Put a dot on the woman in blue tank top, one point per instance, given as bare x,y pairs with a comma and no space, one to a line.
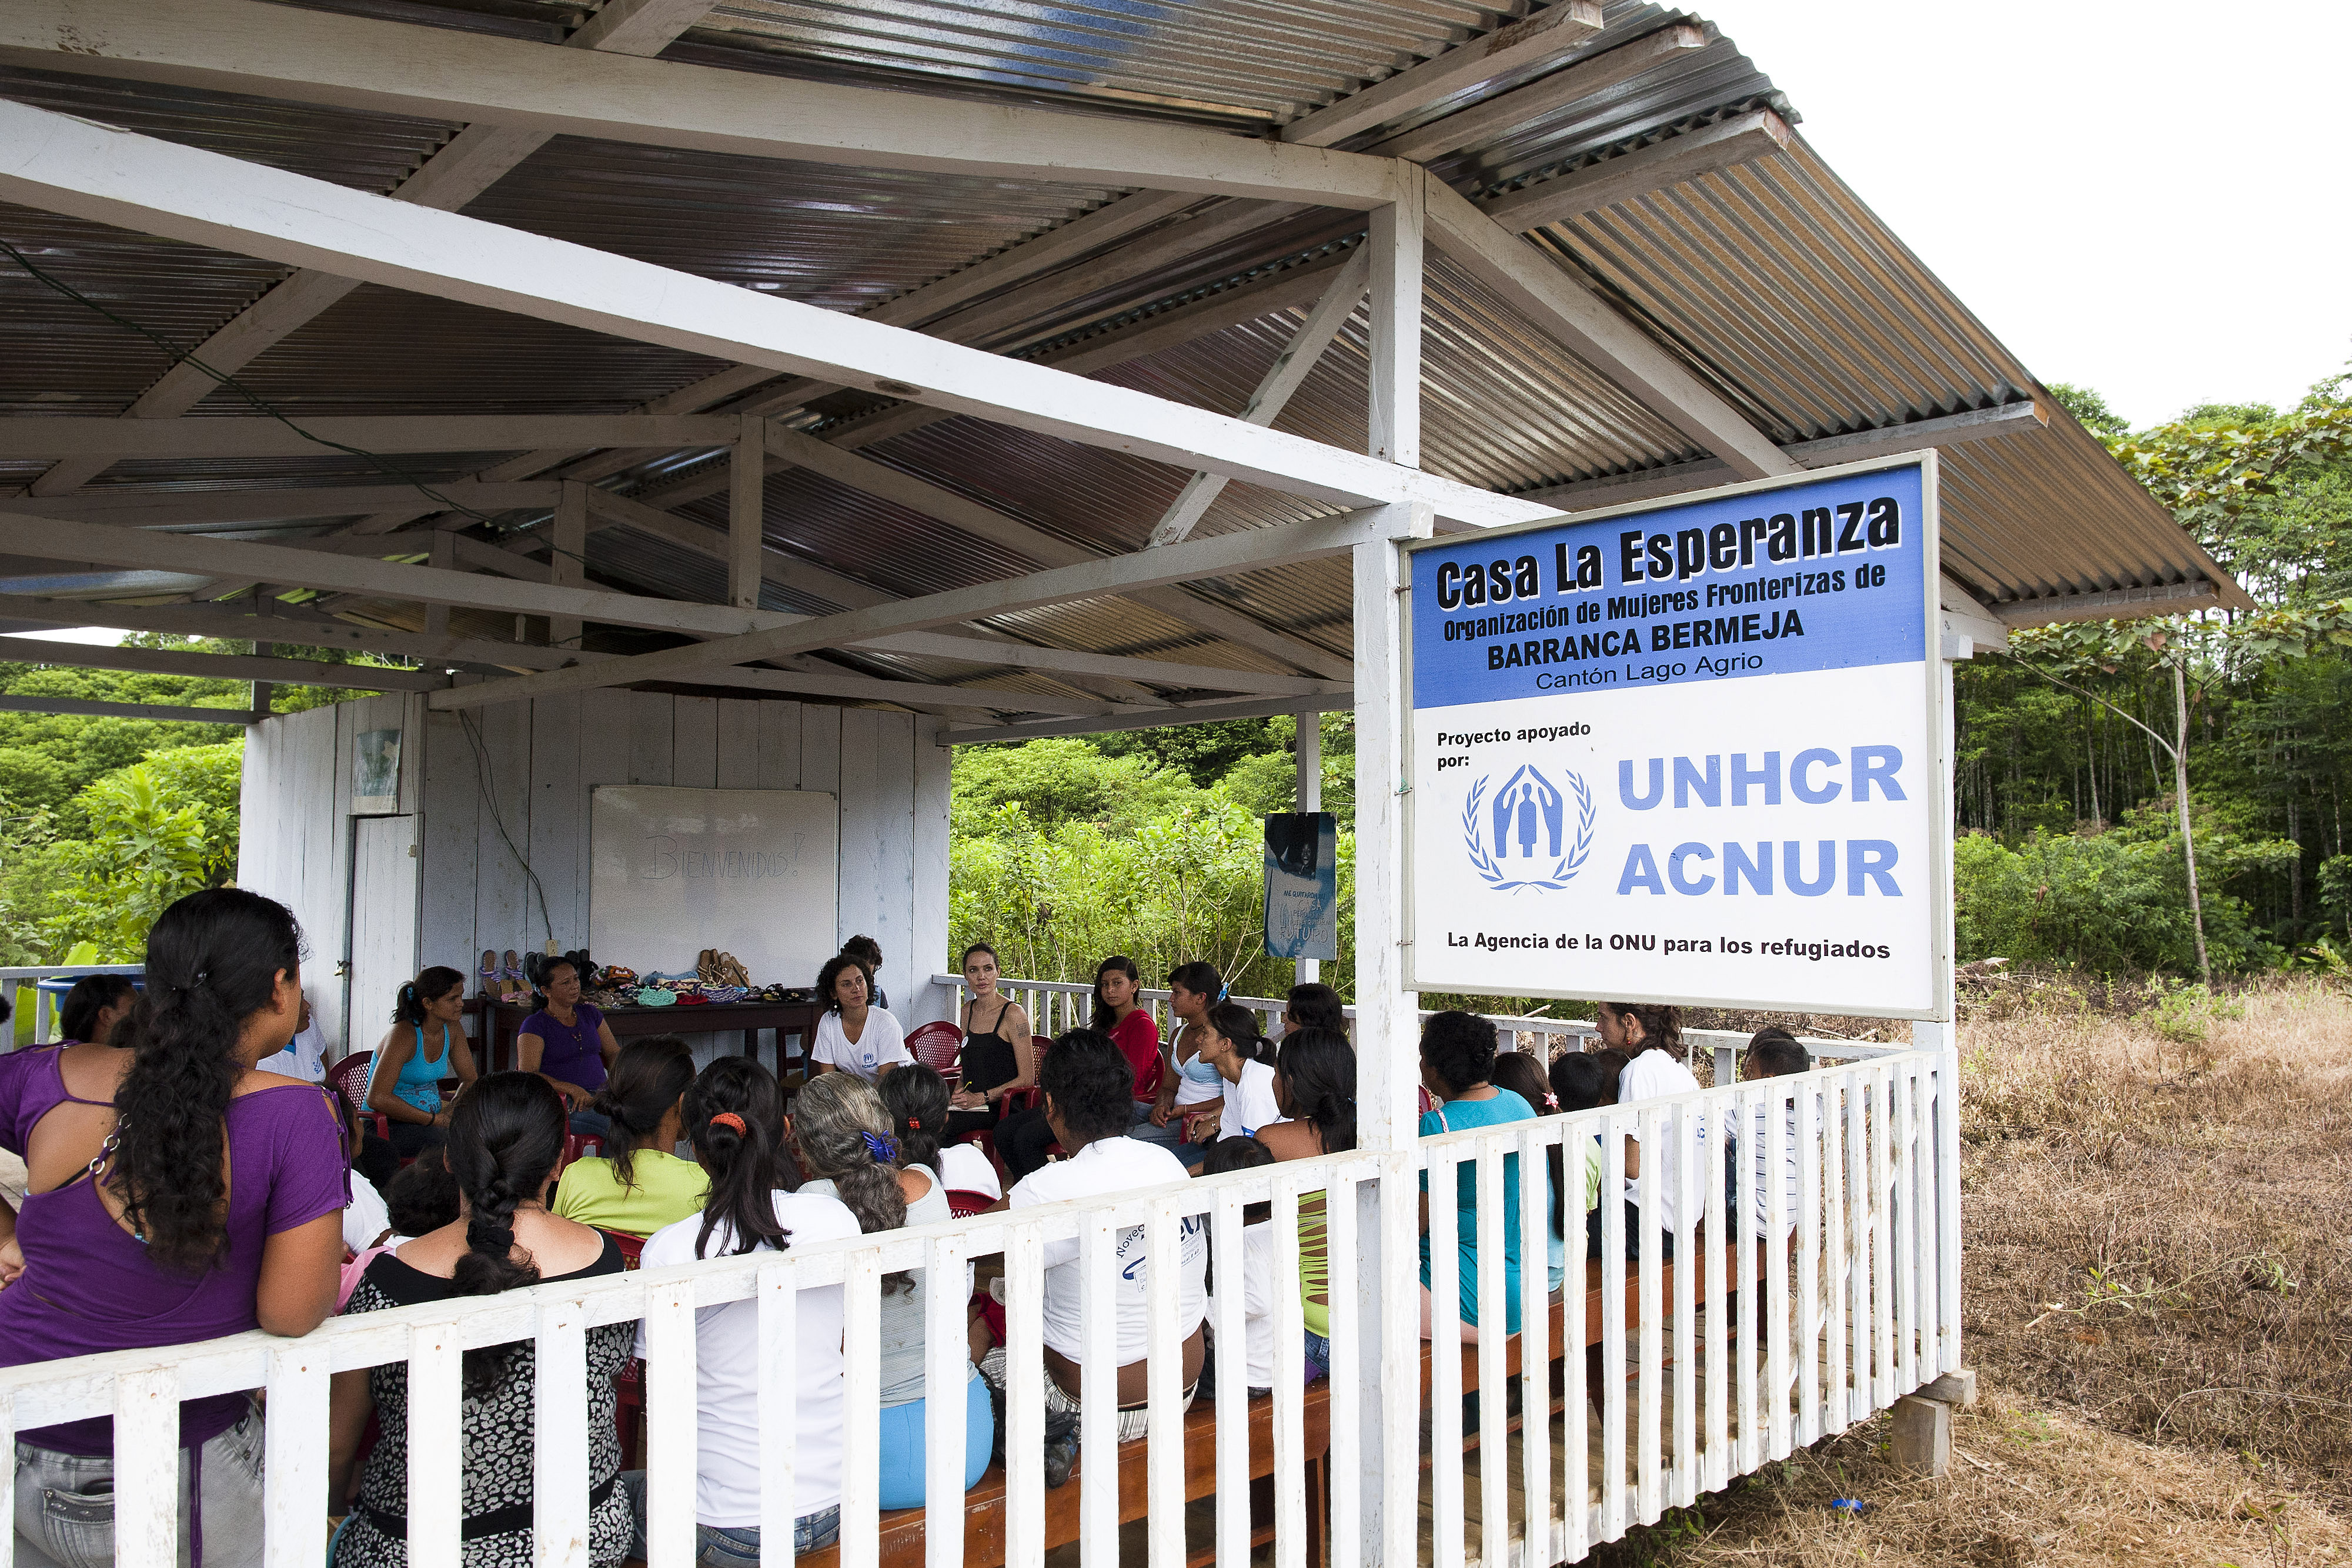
426,1044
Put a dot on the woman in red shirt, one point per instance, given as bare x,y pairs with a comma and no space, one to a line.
1022,1137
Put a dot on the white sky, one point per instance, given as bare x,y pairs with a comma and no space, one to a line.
2145,198
94,636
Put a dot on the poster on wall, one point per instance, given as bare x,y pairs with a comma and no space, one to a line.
1302,885
376,773
1686,753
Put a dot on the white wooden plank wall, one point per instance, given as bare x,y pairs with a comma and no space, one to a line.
546,758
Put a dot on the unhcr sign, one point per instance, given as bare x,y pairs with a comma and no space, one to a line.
1687,752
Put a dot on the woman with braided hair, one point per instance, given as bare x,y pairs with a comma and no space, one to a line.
505,1137
845,1138
175,1195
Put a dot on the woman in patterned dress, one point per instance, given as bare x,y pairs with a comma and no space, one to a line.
505,1137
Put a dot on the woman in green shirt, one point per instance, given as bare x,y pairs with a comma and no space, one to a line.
640,1185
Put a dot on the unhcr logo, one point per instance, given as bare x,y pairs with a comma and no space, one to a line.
1528,832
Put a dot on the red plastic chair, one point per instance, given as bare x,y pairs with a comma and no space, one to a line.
937,1046
963,1203
578,1146
349,1078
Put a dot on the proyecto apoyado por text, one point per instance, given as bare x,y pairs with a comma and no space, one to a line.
1649,942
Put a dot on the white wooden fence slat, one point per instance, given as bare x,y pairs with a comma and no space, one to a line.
1099,1393
1614,1509
146,1469
1809,1261
1446,1451
1290,1502
1774,1127
294,1458
861,1396
1164,1425
1648,1430
672,1437
1690,1153
947,1378
436,1411
779,1374
1494,1220
1534,1220
1230,1345
560,1467
1340,1241
1024,1396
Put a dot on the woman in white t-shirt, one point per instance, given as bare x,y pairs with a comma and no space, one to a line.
842,1136
920,1106
735,1118
854,1036
1226,1038
1649,1035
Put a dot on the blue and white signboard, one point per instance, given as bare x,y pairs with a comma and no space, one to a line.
1688,753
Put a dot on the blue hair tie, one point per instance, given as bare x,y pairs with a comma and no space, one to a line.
884,1151
1223,994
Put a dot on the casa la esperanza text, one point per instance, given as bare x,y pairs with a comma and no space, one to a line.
1685,753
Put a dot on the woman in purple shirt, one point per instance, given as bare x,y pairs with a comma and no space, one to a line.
569,1043
174,1195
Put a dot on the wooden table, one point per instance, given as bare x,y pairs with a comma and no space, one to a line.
497,1023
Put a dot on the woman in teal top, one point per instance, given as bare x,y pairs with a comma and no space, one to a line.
1457,1067
425,1045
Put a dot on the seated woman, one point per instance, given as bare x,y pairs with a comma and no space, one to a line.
1649,1035
1121,1017
1580,1080
841,1134
504,1140
93,1006
1314,1005
917,1099
1087,1084
176,1195
1457,1066
425,1044
735,1118
569,1043
1226,1038
853,1035
1315,1085
1190,1090
639,1185
1523,1075
998,1060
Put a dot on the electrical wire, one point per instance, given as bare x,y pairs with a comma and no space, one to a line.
179,356
490,798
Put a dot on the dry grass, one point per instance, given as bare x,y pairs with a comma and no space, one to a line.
2156,1299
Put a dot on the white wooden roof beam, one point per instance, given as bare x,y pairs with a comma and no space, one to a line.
1524,45
1253,549
256,435
444,73
64,164
82,708
463,168
286,626
163,508
219,666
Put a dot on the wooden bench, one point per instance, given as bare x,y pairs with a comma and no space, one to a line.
985,1506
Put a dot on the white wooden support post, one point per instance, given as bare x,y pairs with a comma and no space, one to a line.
747,500
571,558
444,555
1387,1070
1945,1036
146,1467
1310,753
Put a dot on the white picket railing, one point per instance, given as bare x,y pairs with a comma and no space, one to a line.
1860,1310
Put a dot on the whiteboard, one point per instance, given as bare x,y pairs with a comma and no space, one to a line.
753,872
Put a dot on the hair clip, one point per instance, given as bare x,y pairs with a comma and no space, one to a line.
1551,1102
881,1149
730,1119
914,1123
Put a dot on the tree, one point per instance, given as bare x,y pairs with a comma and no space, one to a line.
146,851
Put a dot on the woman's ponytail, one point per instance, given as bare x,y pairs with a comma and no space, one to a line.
213,960
1238,1024
649,1079
429,987
734,1116
917,1098
505,1138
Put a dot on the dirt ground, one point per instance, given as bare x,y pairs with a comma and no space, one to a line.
2158,1304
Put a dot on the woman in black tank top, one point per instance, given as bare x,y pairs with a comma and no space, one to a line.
996,1060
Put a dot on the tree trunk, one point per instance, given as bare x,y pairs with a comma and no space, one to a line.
2180,796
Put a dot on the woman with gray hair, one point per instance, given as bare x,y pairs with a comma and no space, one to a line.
843,1136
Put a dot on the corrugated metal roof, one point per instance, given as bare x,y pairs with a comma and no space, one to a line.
1770,280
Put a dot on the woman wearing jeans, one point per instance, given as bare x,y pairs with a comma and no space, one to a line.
176,1195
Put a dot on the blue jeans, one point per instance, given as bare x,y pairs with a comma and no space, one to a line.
1318,1356
1139,1128
902,1445
718,1547
590,1125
